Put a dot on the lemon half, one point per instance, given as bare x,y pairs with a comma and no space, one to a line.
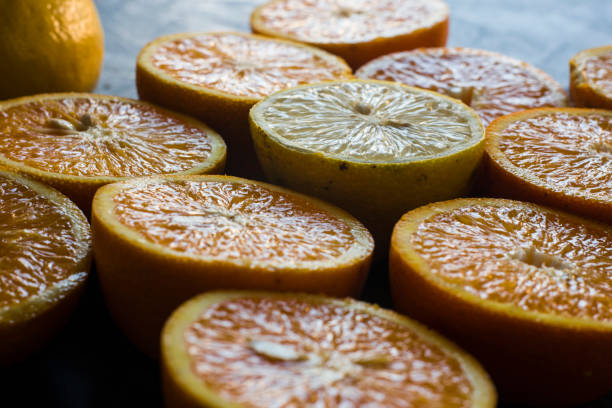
375,148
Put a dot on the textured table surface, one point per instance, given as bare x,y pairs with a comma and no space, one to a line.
90,364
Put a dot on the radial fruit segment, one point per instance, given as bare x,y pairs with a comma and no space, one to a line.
188,235
559,157
533,281
232,221
356,30
78,142
44,262
591,78
262,350
492,84
243,66
217,77
374,148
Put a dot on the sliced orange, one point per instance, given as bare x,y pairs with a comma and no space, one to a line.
358,30
217,77
160,241
79,142
524,288
591,78
45,246
557,157
491,83
257,349
374,148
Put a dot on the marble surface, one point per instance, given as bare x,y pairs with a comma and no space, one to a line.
90,364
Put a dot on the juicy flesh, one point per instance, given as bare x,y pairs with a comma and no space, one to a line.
243,66
534,259
82,136
294,353
38,247
233,221
369,122
350,21
598,70
493,85
567,152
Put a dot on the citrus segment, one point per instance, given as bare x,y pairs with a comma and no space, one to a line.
262,350
44,262
368,122
244,66
159,241
492,84
78,142
358,30
355,143
522,260
558,157
533,282
233,221
217,77
591,78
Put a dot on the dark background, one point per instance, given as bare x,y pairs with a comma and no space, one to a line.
90,364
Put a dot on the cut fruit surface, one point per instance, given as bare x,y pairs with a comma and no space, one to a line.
355,143
532,281
558,157
254,349
358,31
193,234
45,244
78,142
492,84
591,78
217,77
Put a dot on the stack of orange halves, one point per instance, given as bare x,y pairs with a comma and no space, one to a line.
523,287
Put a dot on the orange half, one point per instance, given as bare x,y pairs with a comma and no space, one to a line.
359,30
557,157
45,246
217,77
591,78
525,288
160,241
79,142
490,83
254,349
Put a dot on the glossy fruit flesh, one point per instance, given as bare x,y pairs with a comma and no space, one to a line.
331,21
567,151
243,66
278,352
535,260
38,243
492,84
598,70
85,136
233,221
371,122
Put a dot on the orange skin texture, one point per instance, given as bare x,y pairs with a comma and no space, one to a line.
54,46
